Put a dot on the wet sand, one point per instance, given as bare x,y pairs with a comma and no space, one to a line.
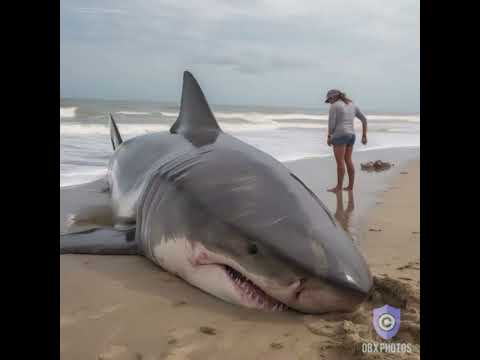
125,307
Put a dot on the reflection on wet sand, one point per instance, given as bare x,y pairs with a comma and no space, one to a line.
344,216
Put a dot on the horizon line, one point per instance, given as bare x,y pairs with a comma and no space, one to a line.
177,103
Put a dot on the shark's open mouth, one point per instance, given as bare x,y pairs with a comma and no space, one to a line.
252,294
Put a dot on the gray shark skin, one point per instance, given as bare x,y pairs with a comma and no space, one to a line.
224,216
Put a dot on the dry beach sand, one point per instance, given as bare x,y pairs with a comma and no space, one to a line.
125,307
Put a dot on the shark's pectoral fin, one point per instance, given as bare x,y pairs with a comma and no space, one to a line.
88,219
103,241
85,207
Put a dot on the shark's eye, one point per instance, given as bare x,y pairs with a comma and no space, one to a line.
252,249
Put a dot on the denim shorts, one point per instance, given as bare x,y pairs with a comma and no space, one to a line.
348,140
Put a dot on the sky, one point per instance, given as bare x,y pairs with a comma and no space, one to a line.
263,52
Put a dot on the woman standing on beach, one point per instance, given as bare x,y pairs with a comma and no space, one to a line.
342,135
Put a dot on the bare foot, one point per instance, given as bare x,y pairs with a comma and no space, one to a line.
348,188
335,189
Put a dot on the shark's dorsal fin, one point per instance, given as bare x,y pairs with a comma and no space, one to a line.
195,114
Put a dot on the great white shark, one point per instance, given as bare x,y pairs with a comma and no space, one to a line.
222,215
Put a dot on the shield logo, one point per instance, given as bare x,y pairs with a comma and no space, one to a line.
386,321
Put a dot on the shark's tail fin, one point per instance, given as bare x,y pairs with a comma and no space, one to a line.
114,134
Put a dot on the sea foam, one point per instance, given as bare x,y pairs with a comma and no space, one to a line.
68,112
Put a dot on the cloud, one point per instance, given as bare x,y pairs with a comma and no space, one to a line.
369,47
99,11
254,61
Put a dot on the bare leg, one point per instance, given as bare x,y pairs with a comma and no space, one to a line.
350,167
339,152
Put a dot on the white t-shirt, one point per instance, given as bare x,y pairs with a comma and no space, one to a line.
341,116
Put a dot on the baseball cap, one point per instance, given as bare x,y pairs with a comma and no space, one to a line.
332,93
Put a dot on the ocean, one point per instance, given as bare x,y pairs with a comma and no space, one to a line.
284,133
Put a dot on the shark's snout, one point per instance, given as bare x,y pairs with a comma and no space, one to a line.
316,296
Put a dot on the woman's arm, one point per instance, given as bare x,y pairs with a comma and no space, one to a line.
332,120
331,124
363,119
